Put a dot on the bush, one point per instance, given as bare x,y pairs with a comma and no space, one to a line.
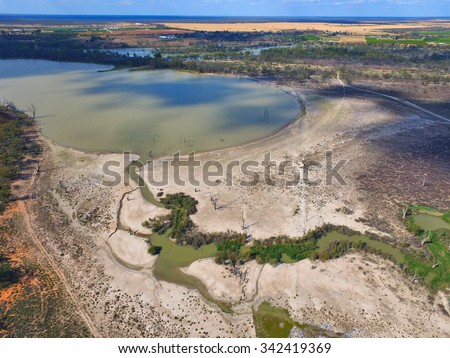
8,275
154,250
273,252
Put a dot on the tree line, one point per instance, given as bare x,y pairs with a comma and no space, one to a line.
13,148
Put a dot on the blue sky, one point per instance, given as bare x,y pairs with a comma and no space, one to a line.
230,7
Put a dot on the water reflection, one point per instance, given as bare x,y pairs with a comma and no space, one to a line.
141,111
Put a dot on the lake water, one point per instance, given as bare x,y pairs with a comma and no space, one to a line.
142,111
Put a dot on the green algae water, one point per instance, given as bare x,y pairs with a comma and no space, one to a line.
326,240
430,222
161,112
174,257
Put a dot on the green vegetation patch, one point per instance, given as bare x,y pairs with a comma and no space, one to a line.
231,251
275,322
294,250
310,37
435,33
423,208
411,42
446,216
374,40
438,40
8,275
390,41
12,149
432,263
179,226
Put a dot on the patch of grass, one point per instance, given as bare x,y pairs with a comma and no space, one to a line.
435,33
411,42
287,259
441,254
374,40
433,262
311,37
437,40
389,41
423,208
273,322
446,217
421,264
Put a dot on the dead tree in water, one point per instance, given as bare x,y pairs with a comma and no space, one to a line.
33,109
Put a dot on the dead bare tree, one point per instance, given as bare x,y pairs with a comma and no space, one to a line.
415,277
266,114
11,107
33,109
214,201
405,212
428,239
243,226
424,182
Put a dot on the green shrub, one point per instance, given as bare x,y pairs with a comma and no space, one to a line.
8,275
154,250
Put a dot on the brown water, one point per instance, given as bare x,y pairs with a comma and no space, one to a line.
142,111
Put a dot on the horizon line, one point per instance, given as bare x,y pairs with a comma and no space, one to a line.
236,16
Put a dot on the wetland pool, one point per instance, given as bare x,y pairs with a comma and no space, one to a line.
430,222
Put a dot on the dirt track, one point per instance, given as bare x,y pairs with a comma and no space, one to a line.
24,190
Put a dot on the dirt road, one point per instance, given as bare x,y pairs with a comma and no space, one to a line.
24,191
397,99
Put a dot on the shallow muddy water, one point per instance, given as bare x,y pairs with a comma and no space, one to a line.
430,222
143,111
